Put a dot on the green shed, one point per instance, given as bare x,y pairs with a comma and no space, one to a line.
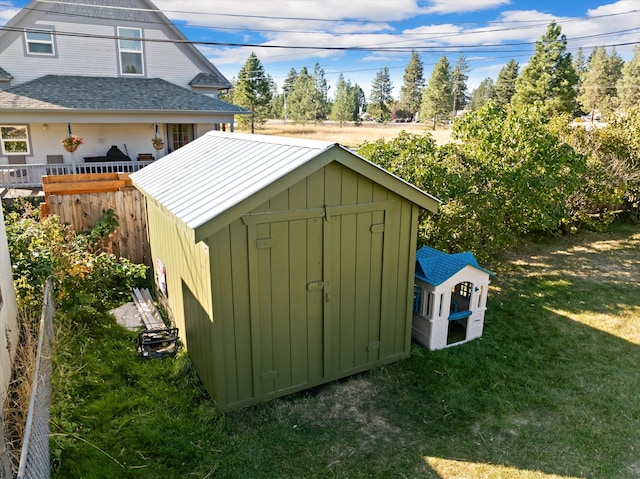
285,263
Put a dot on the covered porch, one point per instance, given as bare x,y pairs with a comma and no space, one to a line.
154,118
33,148
29,176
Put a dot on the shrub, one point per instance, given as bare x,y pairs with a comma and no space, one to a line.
84,281
509,174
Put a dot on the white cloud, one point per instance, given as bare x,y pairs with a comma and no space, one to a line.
461,6
8,14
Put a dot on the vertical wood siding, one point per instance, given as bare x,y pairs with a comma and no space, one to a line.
189,294
272,332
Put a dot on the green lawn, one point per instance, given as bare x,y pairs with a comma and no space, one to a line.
552,390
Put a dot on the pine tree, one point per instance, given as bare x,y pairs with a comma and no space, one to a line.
629,85
616,64
459,78
437,97
344,105
289,81
580,66
413,81
301,101
253,91
361,103
486,91
506,83
287,87
380,98
321,95
593,82
549,78
598,85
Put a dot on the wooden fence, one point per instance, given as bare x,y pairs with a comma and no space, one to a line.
83,210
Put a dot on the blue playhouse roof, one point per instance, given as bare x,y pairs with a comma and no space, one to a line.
435,267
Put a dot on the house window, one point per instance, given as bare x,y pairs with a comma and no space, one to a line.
39,42
14,139
179,135
130,48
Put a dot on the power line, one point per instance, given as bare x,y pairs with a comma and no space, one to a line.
312,19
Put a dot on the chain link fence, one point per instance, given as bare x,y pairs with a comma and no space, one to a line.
5,460
34,459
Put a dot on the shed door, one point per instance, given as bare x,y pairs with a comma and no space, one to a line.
316,286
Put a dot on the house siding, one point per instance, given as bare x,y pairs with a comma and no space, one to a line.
96,56
89,56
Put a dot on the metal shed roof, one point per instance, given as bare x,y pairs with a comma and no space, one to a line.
435,267
221,176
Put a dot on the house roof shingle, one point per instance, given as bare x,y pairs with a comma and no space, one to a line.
109,94
5,75
124,11
208,80
435,267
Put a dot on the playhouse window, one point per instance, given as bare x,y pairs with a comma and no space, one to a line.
463,290
417,299
480,296
427,298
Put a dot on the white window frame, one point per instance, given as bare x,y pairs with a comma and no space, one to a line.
125,32
34,41
4,140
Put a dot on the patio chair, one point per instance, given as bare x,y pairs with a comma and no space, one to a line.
18,160
55,160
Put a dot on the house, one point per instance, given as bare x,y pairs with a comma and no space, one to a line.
285,263
113,72
450,298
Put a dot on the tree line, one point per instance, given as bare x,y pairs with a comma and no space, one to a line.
601,84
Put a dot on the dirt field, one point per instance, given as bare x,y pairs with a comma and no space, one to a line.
349,135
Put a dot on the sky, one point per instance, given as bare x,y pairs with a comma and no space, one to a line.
360,37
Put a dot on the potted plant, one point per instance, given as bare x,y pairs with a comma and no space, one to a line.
157,142
71,142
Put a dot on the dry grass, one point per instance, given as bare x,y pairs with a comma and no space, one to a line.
17,402
350,135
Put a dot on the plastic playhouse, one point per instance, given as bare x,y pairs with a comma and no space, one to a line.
450,298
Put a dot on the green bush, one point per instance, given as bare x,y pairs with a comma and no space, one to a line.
509,173
84,281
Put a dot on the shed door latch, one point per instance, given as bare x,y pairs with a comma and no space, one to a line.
317,285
